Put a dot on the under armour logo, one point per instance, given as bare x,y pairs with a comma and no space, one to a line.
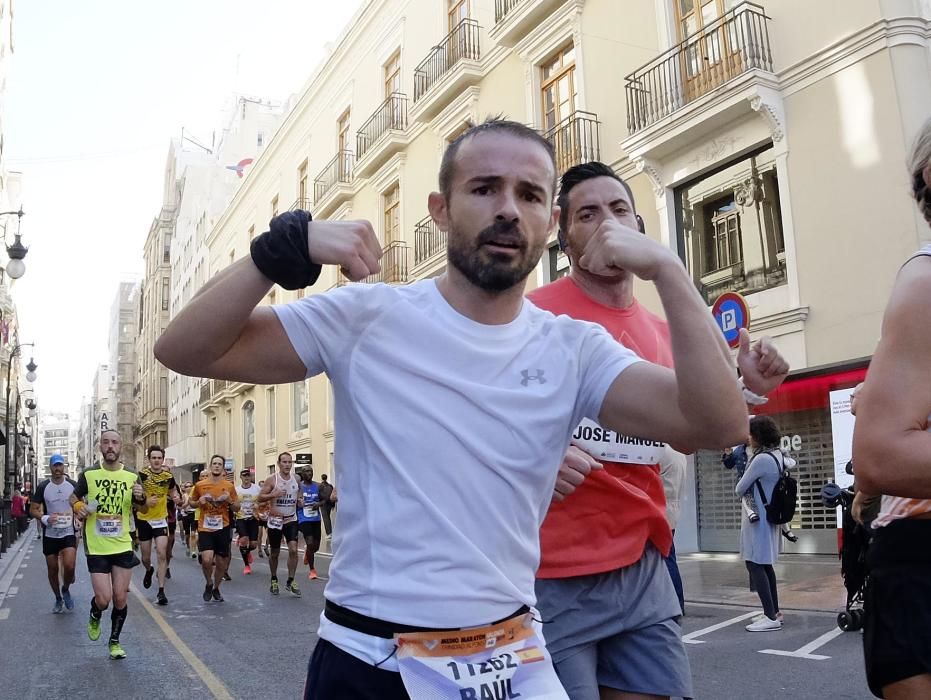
527,377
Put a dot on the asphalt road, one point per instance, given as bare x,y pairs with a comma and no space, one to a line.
255,645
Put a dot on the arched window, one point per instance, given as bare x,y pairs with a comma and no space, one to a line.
248,434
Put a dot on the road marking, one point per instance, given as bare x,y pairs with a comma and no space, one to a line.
805,651
4,613
214,684
690,638
18,576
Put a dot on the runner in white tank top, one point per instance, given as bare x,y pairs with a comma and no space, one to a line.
283,491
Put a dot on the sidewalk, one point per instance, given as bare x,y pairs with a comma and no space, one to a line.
805,581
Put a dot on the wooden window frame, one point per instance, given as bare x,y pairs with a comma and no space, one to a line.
553,80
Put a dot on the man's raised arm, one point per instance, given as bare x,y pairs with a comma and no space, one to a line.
222,333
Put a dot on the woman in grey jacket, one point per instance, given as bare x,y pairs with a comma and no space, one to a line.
759,540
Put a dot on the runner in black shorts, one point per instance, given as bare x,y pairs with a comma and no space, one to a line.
51,506
308,518
282,491
247,526
215,496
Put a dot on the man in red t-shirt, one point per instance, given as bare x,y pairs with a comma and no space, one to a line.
602,587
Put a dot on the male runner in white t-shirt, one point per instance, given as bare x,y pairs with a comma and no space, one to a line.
446,387
50,505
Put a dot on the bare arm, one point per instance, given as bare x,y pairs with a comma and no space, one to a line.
697,405
891,448
222,333
36,510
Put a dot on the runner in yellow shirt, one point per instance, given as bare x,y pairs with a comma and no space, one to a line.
159,485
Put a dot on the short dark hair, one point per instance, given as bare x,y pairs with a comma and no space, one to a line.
154,448
283,454
576,175
765,432
213,457
491,125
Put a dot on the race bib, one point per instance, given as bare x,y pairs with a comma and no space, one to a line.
213,522
608,445
311,511
109,526
507,660
61,521
155,524
275,522
246,509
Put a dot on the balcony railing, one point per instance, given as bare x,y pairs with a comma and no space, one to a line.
733,44
390,116
303,203
337,171
428,240
394,265
576,139
205,391
502,7
462,43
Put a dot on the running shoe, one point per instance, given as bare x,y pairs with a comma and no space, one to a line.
764,625
167,573
227,577
161,598
312,575
217,596
208,593
194,554
247,570
267,550
59,606
147,579
293,589
93,628
274,587
116,651
69,601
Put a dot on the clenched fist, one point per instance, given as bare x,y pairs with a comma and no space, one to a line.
575,467
352,245
614,248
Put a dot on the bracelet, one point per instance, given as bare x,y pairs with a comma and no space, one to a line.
282,253
751,398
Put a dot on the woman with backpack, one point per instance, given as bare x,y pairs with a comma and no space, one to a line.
759,538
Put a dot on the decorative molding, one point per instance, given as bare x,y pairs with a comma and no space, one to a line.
389,173
771,115
462,109
748,191
783,319
652,171
342,213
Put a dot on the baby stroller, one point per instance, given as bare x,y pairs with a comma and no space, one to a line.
855,539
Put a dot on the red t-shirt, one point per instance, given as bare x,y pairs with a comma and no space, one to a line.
606,523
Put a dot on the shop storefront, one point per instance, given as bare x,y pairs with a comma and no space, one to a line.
801,408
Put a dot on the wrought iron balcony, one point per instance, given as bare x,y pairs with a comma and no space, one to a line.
731,45
394,265
302,203
576,139
503,7
462,43
337,172
429,240
390,116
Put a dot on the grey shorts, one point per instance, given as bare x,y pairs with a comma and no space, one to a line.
616,630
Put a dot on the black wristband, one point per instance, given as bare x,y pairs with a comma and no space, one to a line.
282,253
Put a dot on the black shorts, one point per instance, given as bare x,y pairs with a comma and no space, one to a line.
189,522
897,605
146,533
310,528
248,527
53,545
216,541
289,531
334,673
104,563
172,527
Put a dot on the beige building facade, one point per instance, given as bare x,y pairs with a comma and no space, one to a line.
765,143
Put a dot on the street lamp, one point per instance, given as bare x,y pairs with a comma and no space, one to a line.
30,376
15,268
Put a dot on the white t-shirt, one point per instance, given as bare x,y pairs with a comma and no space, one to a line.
449,436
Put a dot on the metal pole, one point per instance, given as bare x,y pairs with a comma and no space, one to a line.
8,488
16,440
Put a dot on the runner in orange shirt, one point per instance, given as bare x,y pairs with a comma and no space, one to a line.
214,496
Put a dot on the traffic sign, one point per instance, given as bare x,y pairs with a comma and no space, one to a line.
731,313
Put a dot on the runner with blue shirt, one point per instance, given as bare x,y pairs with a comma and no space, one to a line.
308,518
